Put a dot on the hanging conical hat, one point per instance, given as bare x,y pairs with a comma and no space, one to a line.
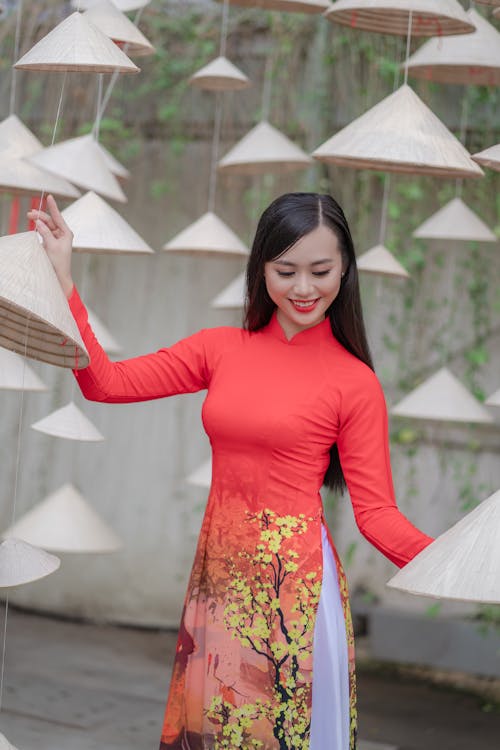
220,75
202,476
65,522
105,16
380,260
233,295
430,18
20,177
291,6
463,563
113,164
455,221
466,58
442,397
124,5
208,234
264,149
399,134
69,423
76,45
490,157
494,399
80,160
103,335
35,318
16,139
16,375
22,563
98,228
5,744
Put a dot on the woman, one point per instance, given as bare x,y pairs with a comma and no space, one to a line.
265,654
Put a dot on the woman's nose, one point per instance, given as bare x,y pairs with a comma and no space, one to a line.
303,285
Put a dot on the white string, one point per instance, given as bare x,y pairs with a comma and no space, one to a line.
224,25
99,111
408,42
58,115
4,649
267,88
16,55
212,188
463,128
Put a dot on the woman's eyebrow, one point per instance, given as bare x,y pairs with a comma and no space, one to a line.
314,263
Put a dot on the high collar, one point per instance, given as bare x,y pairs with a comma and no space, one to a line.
321,332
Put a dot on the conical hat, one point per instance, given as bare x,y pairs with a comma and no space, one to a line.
442,397
233,295
466,58
76,45
16,139
5,744
103,335
202,476
494,399
80,160
16,374
264,149
291,6
455,221
98,228
208,234
399,134
65,522
220,75
69,423
380,260
463,563
105,16
124,5
490,157
22,563
430,18
113,164
35,318
20,177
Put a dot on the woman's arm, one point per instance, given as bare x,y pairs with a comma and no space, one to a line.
363,445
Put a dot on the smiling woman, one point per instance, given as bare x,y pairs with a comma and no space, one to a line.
265,653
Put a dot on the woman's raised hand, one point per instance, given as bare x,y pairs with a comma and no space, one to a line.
57,240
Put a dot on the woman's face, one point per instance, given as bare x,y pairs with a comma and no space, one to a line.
304,281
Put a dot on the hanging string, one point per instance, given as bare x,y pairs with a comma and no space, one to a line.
224,28
16,56
408,43
267,87
464,116
54,132
212,184
99,111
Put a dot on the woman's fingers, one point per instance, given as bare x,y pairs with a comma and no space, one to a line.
35,214
56,215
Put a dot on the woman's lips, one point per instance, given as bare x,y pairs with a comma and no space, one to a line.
304,306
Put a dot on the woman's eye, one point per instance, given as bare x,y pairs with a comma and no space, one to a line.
320,273
285,273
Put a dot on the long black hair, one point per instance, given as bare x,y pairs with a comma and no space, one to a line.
283,223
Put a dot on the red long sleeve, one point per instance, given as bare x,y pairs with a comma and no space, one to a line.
363,445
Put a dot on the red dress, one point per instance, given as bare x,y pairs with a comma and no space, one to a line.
242,675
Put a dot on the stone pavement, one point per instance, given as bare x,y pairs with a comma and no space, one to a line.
72,686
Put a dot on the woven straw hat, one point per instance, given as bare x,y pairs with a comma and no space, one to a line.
113,164
220,75
494,399
76,45
463,563
202,476
208,234
291,6
443,398
22,563
80,159
5,744
264,149
467,58
17,375
124,5
233,296
35,318
103,335
399,134
455,221
107,18
98,228
69,423
490,157
65,522
16,139
380,260
430,18
20,177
